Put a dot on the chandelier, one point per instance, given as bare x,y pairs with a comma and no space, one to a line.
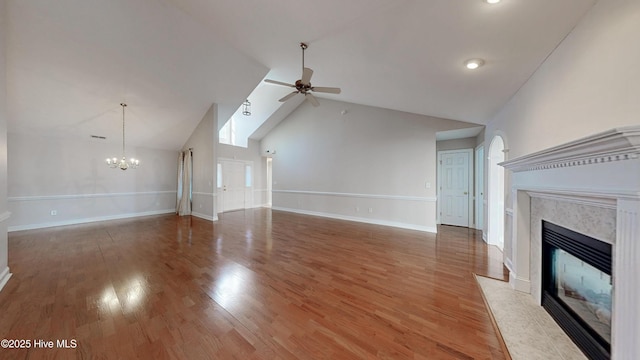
246,108
123,164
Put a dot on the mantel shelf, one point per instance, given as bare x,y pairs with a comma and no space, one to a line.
613,145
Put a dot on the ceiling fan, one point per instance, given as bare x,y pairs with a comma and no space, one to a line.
303,86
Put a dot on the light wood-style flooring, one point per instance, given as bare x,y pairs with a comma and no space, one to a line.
257,284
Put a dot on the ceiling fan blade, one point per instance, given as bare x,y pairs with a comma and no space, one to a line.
289,96
312,99
278,83
306,75
330,90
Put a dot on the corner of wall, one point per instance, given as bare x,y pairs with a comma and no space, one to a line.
4,212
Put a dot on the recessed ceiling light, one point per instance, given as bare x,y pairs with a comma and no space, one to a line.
492,1
473,64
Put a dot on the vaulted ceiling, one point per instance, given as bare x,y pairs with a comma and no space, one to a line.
70,63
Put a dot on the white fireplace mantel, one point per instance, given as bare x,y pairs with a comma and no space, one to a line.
602,170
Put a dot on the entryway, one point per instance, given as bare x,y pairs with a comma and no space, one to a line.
496,193
234,185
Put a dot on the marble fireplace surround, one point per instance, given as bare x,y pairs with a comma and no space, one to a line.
591,185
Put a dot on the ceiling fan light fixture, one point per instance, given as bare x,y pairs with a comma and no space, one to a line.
473,64
303,85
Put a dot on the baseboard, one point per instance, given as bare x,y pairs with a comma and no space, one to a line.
88,220
429,229
508,264
519,284
4,277
484,237
205,217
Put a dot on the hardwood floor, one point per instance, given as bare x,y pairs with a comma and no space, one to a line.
257,284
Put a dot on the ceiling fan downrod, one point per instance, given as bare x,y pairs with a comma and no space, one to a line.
304,47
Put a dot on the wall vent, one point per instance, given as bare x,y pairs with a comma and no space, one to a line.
98,137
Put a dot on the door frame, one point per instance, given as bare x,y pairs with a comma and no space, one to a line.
479,198
470,176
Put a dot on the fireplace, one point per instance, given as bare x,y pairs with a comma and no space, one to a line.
577,287
592,186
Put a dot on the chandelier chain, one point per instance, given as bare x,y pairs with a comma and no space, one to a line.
123,106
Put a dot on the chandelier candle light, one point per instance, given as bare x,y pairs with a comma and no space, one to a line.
123,164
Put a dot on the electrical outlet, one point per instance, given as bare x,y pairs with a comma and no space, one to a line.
357,209
427,185
54,212
370,210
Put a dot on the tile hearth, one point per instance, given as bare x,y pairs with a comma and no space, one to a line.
527,329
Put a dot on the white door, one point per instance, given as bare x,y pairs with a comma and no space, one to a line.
233,185
454,188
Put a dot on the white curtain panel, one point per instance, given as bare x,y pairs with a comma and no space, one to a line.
184,184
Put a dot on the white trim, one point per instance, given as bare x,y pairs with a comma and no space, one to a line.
508,264
85,196
236,160
203,216
522,285
5,216
89,220
613,145
428,229
4,277
479,177
202,193
368,196
625,280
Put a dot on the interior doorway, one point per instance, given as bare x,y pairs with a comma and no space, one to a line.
455,169
496,193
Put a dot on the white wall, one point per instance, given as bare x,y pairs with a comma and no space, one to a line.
370,164
71,177
250,153
203,143
4,212
456,144
589,84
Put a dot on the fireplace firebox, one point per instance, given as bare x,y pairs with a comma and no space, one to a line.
577,287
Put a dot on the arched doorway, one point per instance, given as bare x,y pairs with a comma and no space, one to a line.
495,225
